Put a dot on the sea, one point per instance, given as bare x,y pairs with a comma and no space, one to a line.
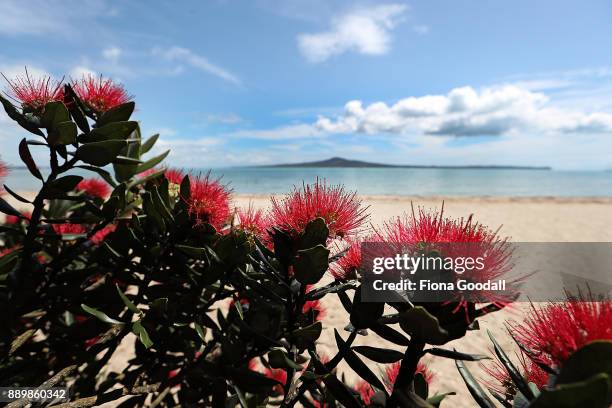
396,181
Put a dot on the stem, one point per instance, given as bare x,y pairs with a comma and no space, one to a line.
405,377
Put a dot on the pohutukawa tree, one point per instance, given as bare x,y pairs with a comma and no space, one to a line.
225,307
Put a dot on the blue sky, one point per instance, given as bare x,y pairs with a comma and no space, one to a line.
265,81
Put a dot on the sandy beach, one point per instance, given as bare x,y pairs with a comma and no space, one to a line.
523,219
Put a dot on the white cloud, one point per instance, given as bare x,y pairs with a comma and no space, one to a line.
366,31
112,53
465,111
80,71
224,118
186,56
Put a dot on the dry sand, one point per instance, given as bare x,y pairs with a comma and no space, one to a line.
523,219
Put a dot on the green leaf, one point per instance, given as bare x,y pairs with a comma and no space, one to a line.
26,157
365,314
201,331
112,131
100,315
341,392
437,399
127,161
455,355
592,393
55,113
64,133
419,323
593,358
130,305
306,336
142,334
6,208
8,261
197,253
16,196
357,365
278,358
149,164
311,264
119,113
61,186
315,233
475,389
100,153
384,356
250,381
18,117
101,172
149,143
513,372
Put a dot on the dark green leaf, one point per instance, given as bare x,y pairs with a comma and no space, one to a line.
112,131
6,208
418,322
63,133
315,233
101,172
18,117
61,186
26,157
119,113
475,389
148,144
142,334
384,356
100,315
311,264
55,113
592,393
341,392
357,365
278,358
421,388
127,302
100,153
513,372
16,196
591,359
307,335
436,400
149,164
455,355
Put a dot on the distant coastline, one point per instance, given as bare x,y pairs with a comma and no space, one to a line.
340,162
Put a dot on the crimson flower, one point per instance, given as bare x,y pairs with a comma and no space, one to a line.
208,201
392,371
557,330
174,176
499,380
346,268
34,93
365,390
457,238
278,375
99,236
3,170
316,307
100,94
252,220
94,187
66,229
13,219
341,210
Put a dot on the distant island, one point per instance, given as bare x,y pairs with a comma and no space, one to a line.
342,162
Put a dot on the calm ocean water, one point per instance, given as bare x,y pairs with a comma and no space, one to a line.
398,181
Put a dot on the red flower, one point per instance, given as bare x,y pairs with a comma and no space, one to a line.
208,201
365,390
457,238
94,188
392,371
63,229
278,375
99,236
252,220
174,176
91,342
341,210
557,330
100,94
501,382
34,93
346,267
316,307
13,219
